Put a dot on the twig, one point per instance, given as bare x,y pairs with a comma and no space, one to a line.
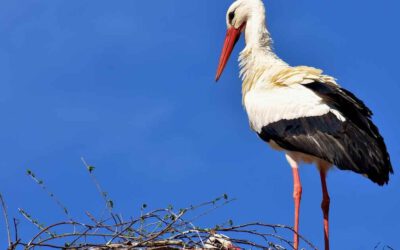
49,193
3,205
166,228
16,229
33,221
47,229
109,203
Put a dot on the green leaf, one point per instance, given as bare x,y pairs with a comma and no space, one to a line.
30,173
91,169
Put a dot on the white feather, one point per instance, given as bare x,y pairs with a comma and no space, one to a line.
265,106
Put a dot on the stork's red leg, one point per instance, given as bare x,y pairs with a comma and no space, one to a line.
325,207
297,190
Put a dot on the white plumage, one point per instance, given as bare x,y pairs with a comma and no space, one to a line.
268,105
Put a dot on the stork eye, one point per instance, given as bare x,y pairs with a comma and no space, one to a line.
231,15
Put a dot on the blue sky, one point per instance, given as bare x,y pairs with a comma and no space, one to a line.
129,85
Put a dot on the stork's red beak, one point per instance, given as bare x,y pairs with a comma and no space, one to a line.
232,36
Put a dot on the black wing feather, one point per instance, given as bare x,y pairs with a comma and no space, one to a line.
354,144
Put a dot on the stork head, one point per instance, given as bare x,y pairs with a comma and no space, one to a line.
237,17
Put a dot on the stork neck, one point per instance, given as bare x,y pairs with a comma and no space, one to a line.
258,62
256,33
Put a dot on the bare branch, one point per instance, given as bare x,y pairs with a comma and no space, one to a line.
3,205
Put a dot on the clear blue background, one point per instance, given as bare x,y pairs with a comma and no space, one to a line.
129,85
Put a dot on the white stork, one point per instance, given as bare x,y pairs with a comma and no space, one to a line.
301,111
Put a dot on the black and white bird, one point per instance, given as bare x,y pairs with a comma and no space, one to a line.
301,111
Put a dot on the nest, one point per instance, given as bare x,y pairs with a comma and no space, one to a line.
166,228
159,229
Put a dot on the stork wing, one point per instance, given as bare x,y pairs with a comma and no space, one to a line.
353,143
346,103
